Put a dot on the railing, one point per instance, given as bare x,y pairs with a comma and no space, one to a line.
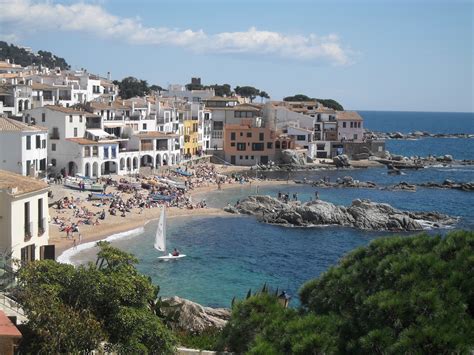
54,136
7,302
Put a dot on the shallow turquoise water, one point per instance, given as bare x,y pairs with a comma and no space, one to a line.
229,255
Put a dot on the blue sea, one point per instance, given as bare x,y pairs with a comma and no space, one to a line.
229,255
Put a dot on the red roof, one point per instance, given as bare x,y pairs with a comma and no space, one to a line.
7,328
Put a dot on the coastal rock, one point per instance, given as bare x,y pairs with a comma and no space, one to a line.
361,214
397,135
292,157
192,317
449,184
341,161
403,186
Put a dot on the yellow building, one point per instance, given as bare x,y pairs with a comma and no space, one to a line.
191,141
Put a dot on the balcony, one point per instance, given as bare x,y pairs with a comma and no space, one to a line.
54,136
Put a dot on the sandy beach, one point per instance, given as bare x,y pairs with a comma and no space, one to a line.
116,224
139,217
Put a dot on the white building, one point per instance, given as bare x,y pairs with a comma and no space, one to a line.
350,126
24,217
23,148
304,138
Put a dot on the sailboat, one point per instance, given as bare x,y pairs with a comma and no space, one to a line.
160,238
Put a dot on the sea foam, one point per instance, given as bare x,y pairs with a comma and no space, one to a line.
66,255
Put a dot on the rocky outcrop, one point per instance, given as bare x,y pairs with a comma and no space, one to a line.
402,186
449,184
292,157
346,181
361,214
415,135
341,161
191,317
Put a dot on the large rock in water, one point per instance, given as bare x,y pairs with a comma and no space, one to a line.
361,214
192,317
292,157
341,161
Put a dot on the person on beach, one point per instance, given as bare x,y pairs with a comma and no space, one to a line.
316,195
74,245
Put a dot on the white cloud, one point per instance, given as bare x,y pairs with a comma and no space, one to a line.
27,15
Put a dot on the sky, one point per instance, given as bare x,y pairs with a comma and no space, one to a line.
368,55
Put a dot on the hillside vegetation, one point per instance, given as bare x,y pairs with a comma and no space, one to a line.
21,56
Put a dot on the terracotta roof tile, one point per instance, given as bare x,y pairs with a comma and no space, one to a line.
23,184
10,125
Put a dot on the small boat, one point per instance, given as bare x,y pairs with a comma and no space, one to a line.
172,183
73,183
100,196
183,172
160,239
160,197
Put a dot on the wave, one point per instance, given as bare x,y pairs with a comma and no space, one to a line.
66,255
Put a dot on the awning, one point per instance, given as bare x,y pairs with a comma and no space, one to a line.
96,132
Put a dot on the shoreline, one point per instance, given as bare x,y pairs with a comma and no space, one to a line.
65,247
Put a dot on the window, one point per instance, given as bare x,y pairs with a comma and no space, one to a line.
277,145
38,142
269,145
320,146
301,137
218,126
355,136
261,136
53,147
252,157
43,143
246,157
28,142
249,134
53,162
232,144
75,131
95,151
114,152
241,146
358,124
344,124
87,151
43,117
241,134
27,219
80,118
70,118
144,126
258,146
232,136
106,152
352,124
241,157
40,217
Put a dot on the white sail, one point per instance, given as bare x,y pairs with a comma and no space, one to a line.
160,238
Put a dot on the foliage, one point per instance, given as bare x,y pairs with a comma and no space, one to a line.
298,97
23,57
397,295
132,87
73,309
247,91
330,103
413,294
219,90
207,340
157,88
249,318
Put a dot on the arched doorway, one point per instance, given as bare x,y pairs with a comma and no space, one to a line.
135,163
20,105
122,163
108,167
71,168
129,164
147,160
95,169
165,159
87,169
177,158
27,104
172,159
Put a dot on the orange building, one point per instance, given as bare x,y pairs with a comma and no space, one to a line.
9,335
248,143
